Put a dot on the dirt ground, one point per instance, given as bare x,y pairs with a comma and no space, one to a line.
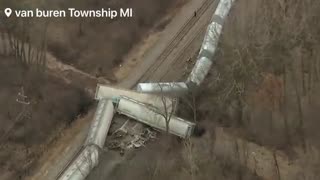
28,124
105,43
101,41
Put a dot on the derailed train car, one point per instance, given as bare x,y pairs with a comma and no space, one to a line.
109,92
151,116
100,124
209,45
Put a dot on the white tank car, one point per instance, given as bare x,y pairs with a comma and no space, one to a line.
153,117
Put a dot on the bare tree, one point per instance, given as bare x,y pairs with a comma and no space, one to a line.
300,110
237,149
169,105
191,159
190,100
153,169
284,108
274,154
18,39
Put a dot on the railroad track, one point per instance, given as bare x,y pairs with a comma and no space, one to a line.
186,52
77,152
177,38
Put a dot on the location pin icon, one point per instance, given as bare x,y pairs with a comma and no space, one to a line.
8,12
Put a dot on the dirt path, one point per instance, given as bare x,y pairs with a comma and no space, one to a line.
63,71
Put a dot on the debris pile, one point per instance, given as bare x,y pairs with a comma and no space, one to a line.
130,137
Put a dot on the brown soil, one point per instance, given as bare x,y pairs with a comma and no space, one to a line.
26,128
103,42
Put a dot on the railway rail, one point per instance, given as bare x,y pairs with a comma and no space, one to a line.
177,38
